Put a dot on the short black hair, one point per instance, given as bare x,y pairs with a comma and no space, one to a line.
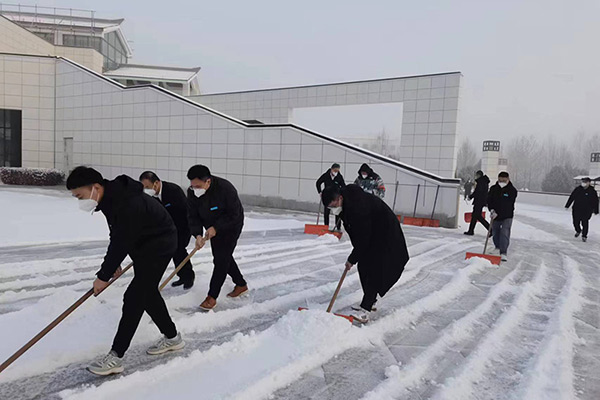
149,175
479,172
83,176
586,179
503,174
199,172
330,194
335,165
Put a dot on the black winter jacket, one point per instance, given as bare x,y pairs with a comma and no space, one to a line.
328,181
220,207
584,200
139,225
480,194
502,200
174,200
378,243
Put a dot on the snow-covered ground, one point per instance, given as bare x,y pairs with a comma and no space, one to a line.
450,329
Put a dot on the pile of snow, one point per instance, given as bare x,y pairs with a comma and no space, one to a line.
50,216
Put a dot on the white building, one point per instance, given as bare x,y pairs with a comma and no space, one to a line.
58,110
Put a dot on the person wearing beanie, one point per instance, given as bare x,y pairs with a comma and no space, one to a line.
370,182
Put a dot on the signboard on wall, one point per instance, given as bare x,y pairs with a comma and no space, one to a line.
491,145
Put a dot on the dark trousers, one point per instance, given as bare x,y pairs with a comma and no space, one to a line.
581,224
501,234
222,249
143,295
369,286
477,209
186,273
338,221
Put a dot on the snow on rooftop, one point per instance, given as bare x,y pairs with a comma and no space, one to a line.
149,72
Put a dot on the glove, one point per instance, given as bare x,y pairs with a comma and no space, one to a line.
493,214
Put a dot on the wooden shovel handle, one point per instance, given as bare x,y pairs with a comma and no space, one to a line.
58,320
337,290
185,261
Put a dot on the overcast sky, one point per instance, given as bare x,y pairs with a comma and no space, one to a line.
529,66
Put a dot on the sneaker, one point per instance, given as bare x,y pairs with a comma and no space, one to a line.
238,291
208,304
495,251
468,233
503,257
164,345
358,307
577,234
107,365
584,238
361,315
187,284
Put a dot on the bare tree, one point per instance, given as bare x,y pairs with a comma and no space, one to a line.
466,160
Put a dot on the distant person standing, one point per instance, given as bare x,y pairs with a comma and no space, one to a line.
585,203
501,203
331,178
370,182
214,205
468,188
172,197
479,197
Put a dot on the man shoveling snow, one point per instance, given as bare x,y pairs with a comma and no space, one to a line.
378,243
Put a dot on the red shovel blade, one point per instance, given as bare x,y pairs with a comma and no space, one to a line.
312,229
490,257
348,317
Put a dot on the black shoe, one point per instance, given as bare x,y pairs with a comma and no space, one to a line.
468,233
584,238
577,234
187,284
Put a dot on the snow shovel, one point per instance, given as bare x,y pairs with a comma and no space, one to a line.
58,320
335,294
490,257
316,229
469,216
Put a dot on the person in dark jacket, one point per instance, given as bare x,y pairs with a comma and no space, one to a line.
585,203
370,182
141,228
378,243
214,205
172,197
501,203
479,197
331,177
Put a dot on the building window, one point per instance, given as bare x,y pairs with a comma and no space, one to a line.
10,138
49,37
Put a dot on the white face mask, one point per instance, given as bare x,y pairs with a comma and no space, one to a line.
199,192
365,176
502,184
150,192
334,174
584,184
335,210
88,205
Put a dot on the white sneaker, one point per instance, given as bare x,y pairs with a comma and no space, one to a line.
504,257
358,307
361,315
164,345
107,365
